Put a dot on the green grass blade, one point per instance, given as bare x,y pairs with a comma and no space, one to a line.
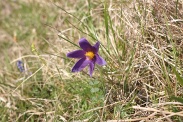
106,23
68,41
179,78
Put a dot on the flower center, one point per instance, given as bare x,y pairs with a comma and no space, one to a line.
90,54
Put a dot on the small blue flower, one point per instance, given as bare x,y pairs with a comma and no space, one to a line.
20,66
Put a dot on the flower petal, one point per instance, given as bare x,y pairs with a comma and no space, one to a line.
100,60
82,63
91,68
76,54
85,45
96,47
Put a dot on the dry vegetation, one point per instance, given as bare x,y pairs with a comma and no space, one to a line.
142,43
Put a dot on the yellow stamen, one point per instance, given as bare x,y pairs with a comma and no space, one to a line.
90,55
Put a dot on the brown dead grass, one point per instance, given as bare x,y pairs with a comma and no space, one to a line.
151,30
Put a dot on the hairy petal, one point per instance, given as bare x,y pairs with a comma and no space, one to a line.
82,63
76,54
91,68
96,47
85,45
100,60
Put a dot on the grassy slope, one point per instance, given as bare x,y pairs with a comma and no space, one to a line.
141,42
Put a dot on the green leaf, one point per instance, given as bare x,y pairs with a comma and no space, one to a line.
179,78
93,90
178,99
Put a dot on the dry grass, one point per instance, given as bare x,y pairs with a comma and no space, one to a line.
142,44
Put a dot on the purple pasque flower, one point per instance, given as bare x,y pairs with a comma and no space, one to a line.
88,56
